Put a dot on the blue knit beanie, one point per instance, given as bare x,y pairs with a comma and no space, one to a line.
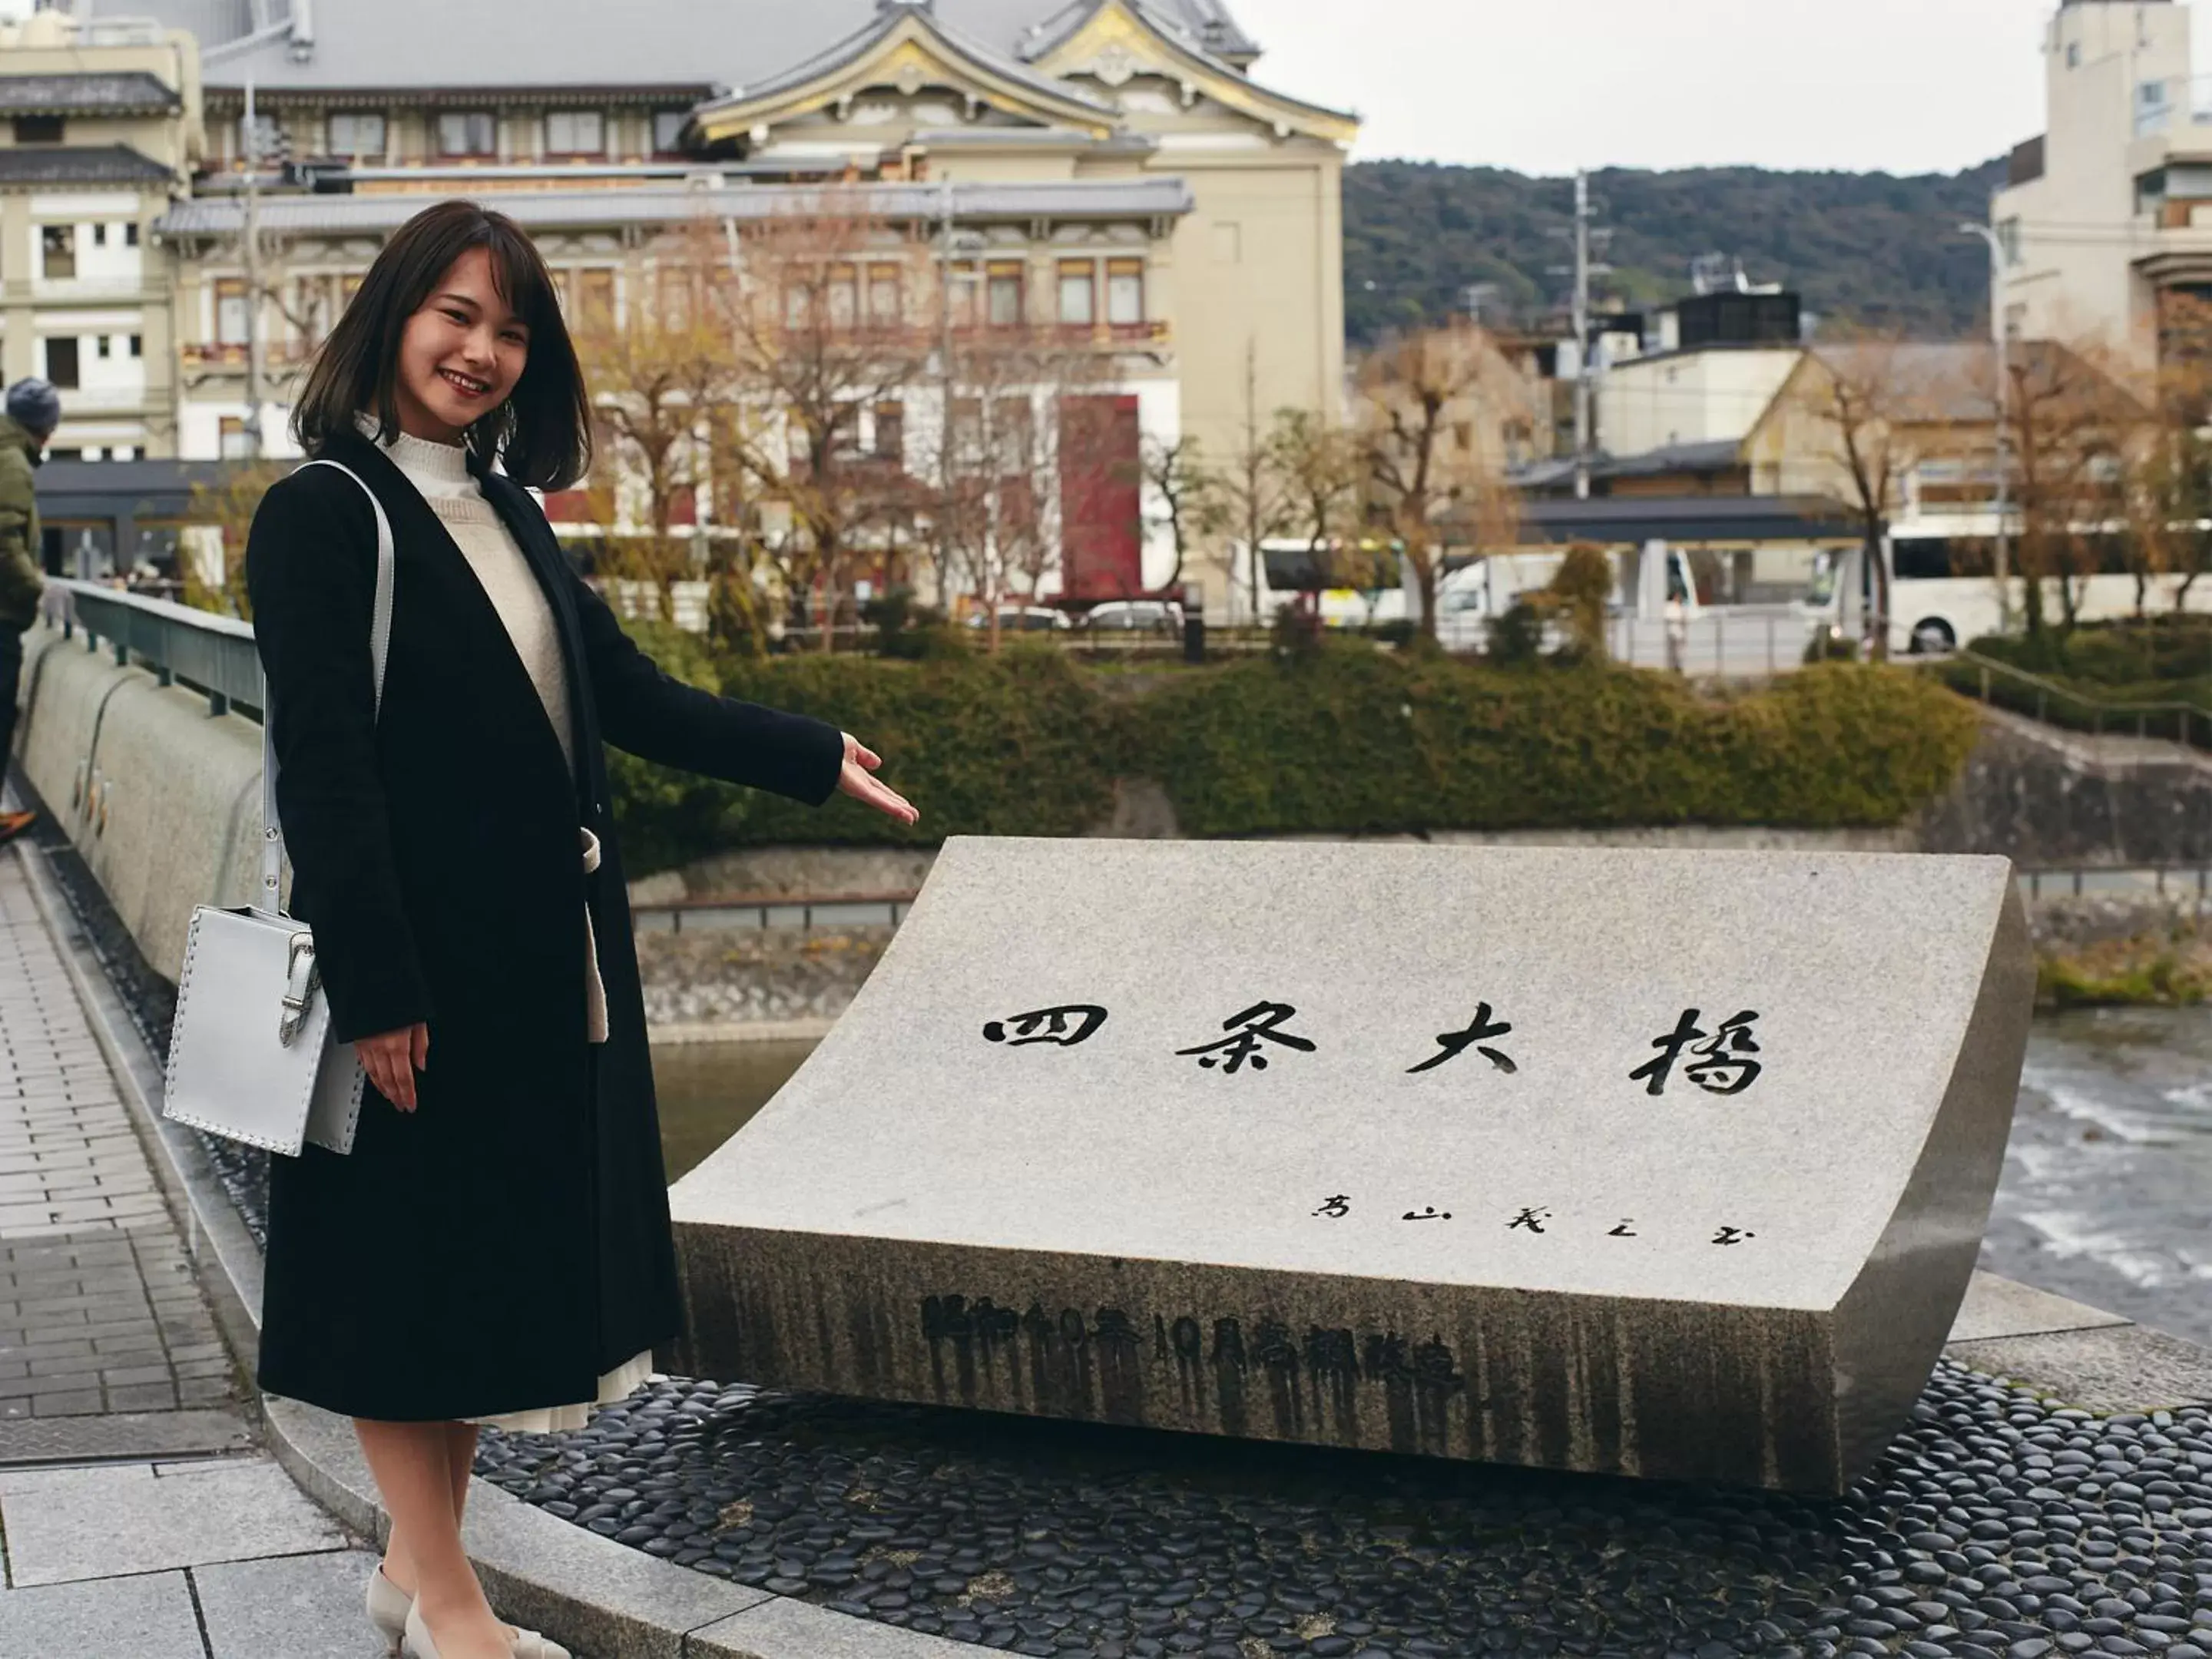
33,404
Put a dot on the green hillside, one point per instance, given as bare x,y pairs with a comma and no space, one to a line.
1864,247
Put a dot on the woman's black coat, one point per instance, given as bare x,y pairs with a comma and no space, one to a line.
502,1246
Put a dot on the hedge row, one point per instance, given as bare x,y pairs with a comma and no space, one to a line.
1337,741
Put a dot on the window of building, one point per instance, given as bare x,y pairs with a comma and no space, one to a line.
38,128
356,133
679,288
102,344
57,250
137,346
263,140
130,234
57,454
1125,292
468,132
1079,293
890,431
124,453
595,293
844,294
797,303
99,233
229,311
62,362
231,439
1003,293
961,284
575,132
2073,54
886,296
668,131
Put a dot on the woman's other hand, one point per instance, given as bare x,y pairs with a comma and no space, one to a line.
392,1058
859,781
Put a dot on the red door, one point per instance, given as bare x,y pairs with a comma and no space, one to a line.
1101,528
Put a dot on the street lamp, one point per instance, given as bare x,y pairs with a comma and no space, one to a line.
1997,263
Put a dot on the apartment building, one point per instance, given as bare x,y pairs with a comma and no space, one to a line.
2106,219
99,128
1109,169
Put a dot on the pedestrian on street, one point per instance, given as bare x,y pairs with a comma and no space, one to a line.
34,409
496,1247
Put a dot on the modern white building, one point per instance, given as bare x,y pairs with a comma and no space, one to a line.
2106,215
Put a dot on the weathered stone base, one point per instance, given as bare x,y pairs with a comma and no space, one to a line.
1589,1384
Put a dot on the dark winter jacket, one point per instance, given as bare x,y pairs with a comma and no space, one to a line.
507,1242
21,582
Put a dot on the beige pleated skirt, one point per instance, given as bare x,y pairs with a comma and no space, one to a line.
627,1378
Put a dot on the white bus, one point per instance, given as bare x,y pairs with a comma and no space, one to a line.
1944,592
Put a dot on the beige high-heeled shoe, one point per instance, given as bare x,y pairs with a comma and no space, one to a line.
415,1643
388,1606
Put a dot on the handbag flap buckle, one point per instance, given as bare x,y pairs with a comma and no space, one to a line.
300,982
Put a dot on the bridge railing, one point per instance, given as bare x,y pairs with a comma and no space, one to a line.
213,655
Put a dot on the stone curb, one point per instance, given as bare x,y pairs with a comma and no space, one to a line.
638,1607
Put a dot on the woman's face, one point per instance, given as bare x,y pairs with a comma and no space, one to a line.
461,354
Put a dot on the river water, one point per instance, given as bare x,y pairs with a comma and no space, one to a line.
2107,1187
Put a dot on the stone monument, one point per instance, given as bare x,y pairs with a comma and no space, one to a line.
1668,1164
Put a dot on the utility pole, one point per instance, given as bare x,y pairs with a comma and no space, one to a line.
1583,271
1997,263
253,368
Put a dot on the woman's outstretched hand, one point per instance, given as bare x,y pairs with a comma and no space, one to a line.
392,1058
858,780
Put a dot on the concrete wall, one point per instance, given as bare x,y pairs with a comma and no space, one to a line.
2048,798
162,799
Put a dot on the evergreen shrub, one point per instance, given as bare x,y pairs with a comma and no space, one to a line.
1334,739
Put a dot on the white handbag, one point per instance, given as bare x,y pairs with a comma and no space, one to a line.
250,1055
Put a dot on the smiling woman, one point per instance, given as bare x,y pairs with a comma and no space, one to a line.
496,1247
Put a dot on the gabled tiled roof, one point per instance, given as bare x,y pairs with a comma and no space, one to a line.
888,18
78,164
381,44
136,93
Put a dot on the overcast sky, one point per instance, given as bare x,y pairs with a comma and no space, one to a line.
1547,86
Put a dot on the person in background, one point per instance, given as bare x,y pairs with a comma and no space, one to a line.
34,409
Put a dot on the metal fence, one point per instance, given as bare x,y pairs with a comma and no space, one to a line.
213,655
2003,686
715,913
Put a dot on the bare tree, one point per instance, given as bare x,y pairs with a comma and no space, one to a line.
2071,427
1009,449
658,373
1191,509
1256,505
1869,402
822,316
1435,409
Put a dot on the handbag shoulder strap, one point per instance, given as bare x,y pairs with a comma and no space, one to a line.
379,651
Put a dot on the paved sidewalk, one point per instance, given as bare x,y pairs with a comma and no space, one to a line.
137,1519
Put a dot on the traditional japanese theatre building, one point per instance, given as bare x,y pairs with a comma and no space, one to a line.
1111,167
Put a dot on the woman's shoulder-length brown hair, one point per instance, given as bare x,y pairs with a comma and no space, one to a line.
541,435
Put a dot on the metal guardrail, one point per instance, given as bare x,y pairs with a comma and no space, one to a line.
718,912
213,655
2101,714
2078,881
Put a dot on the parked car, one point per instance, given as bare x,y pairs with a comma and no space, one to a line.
1024,619
1134,616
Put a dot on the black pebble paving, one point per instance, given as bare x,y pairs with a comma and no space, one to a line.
1995,1525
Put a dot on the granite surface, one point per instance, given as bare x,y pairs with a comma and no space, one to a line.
1657,1164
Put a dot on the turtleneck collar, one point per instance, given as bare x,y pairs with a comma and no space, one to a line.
442,464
